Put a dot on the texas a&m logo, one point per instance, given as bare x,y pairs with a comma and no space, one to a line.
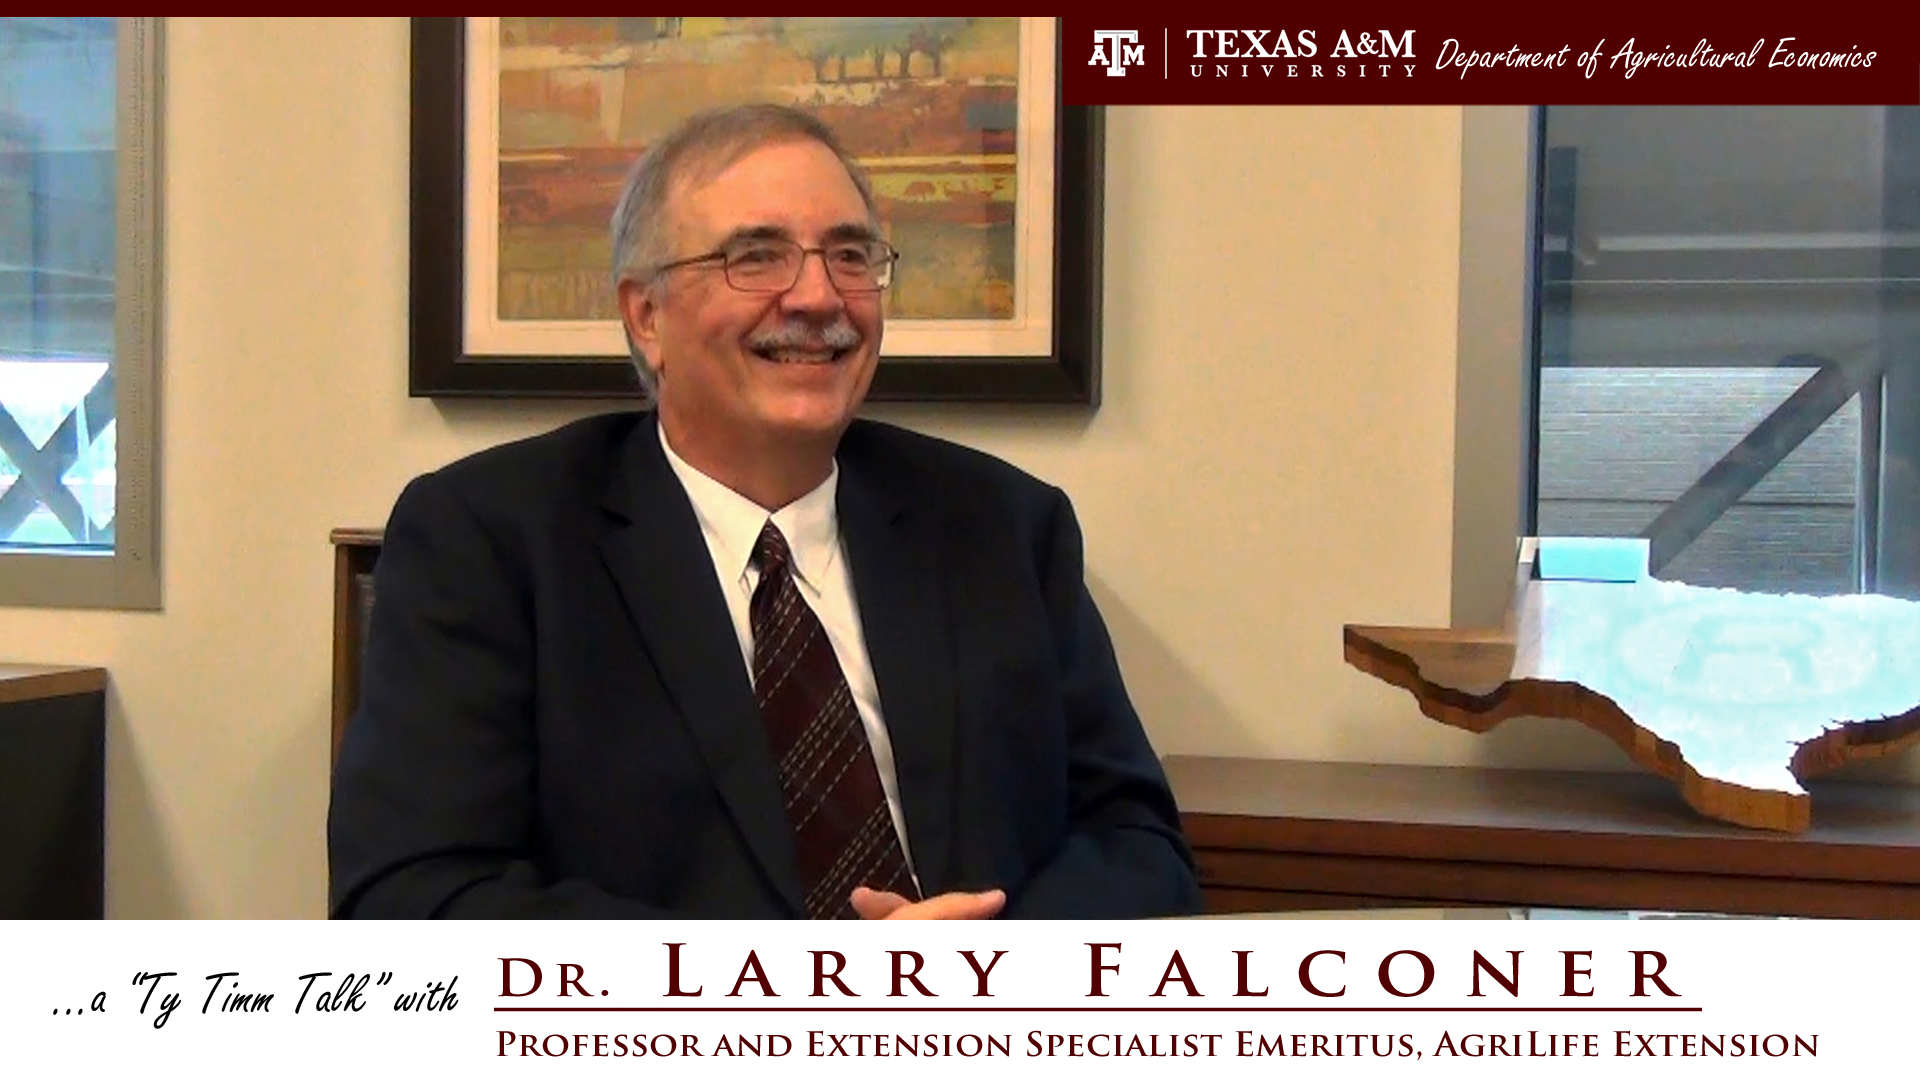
1116,49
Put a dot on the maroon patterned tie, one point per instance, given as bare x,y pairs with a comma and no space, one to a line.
842,831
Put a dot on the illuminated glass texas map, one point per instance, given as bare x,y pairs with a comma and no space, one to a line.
1737,697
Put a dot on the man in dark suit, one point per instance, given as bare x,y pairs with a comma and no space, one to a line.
743,655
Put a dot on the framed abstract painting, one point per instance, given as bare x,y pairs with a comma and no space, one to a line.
524,130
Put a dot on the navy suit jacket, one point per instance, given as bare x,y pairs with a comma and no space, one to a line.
555,721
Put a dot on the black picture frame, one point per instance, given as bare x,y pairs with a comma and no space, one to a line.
440,367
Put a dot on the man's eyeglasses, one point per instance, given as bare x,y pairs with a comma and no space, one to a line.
772,264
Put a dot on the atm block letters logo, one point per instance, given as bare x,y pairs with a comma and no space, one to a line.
1115,49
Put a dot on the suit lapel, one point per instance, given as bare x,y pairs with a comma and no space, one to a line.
903,615
654,549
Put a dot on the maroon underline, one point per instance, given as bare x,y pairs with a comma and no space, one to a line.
1099,1009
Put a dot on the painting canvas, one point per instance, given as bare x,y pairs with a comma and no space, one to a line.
955,119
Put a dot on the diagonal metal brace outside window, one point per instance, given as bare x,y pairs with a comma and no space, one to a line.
1753,457
41,467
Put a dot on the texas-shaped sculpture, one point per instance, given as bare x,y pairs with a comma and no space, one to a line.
1736,697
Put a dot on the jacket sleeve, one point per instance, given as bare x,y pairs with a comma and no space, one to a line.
1124,855
433,796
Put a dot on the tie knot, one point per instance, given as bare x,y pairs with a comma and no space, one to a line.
770,552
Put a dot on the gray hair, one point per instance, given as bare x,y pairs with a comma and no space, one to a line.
704,145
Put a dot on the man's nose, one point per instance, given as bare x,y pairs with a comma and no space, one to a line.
814,289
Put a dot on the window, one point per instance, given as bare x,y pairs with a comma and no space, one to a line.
1697,325
79,229
1727,356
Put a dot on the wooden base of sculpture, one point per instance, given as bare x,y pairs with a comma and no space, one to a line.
1540,664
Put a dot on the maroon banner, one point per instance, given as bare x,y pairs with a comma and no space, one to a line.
1600,55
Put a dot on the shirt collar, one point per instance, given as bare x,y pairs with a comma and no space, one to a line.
810,523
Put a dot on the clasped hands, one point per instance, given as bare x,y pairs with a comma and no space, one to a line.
875,904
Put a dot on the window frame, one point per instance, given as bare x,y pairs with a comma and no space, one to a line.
1493,441
129,578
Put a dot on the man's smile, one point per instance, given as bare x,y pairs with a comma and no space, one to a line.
797,342
801,356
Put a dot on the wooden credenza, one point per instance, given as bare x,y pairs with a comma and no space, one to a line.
53,785
1292,835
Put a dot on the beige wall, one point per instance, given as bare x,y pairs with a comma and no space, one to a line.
1273,456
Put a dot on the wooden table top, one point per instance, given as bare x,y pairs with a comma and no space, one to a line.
1861,832
34,682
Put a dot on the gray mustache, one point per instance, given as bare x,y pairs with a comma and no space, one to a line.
800,334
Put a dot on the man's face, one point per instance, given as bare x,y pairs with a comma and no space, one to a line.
742,371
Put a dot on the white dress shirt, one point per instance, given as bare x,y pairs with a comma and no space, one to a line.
731,523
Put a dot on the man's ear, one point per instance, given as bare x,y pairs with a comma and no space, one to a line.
640,313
